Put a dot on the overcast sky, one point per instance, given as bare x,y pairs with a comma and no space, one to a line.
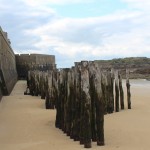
75,30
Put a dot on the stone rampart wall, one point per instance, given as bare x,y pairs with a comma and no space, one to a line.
8,71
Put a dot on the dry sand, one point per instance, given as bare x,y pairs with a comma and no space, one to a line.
25,124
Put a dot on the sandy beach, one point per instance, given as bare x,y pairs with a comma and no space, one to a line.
25,124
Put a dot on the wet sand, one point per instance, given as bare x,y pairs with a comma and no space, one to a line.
25,124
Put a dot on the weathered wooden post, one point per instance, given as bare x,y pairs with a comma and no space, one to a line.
86,99
58,100
93,108
36,83
121,92
55,82
128,89
104,91
81,103
32,84
49,91
110,97
52,96
77,96
67,109
117,92
72,109
62,97
81,135
112,88
99,101
42,84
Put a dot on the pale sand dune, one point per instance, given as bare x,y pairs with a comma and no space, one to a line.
26,125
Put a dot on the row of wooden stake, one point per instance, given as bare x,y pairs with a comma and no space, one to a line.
81,96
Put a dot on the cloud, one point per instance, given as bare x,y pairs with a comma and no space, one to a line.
15,20
34,3
138,4
72,36
37,27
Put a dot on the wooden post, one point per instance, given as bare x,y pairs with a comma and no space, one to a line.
63,97
37,83
93,108
55,84
128,89
121,92
112,88
86,99
58,100
77,96
99,101
43,94
49,91
32,84
81,133
72,109
104,91
68,112
117,92
110,105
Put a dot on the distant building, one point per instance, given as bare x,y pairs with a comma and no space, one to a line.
25,62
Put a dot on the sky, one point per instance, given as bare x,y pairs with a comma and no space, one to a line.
75,30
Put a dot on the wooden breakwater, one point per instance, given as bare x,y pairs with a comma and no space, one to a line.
82,95
8,73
